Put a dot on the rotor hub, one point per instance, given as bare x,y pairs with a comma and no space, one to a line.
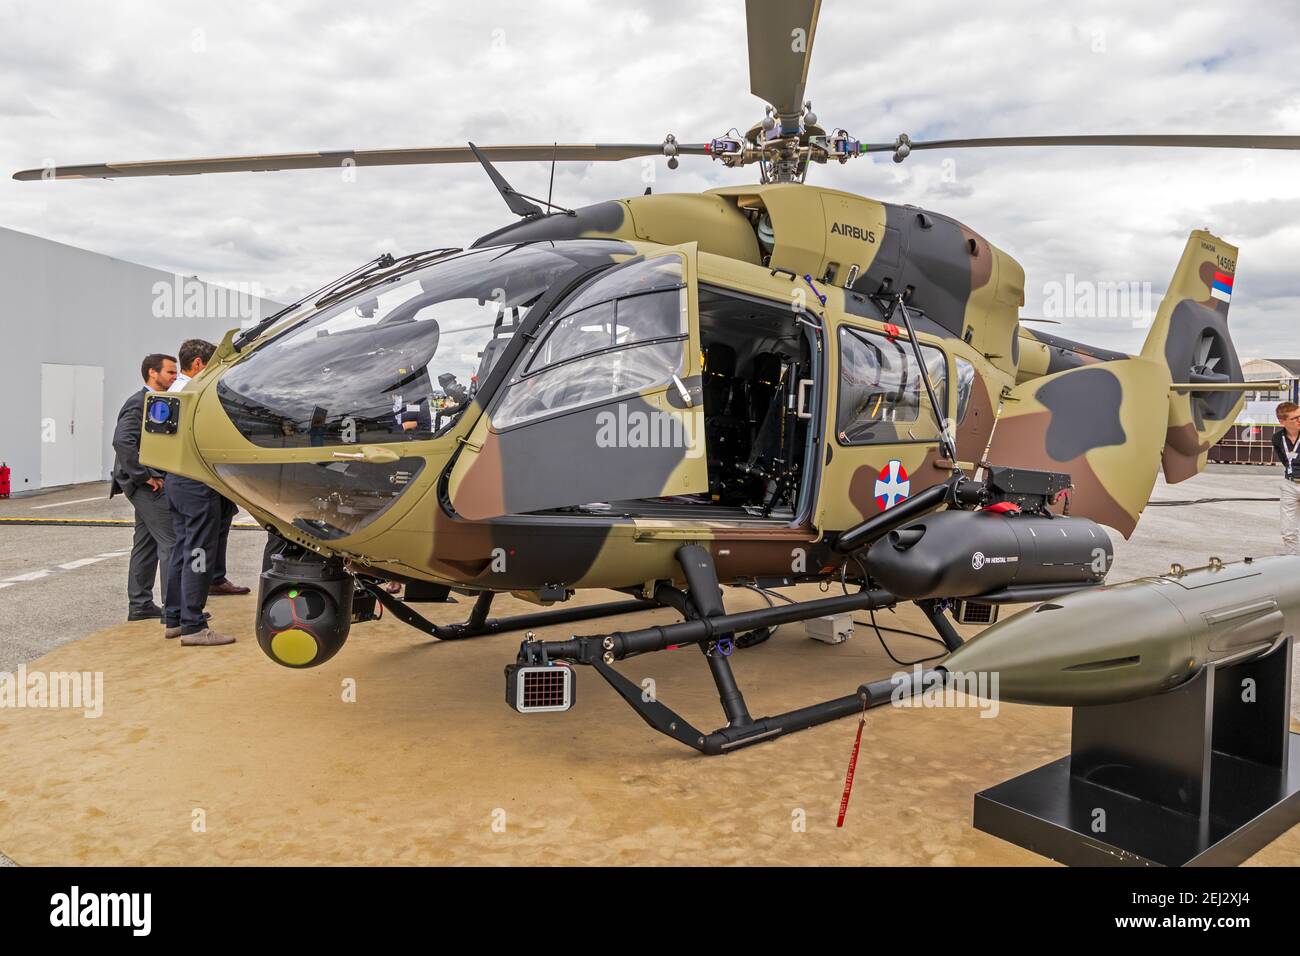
784,145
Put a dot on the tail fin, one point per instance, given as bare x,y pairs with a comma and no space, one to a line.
1101,421
1095,423
1190,336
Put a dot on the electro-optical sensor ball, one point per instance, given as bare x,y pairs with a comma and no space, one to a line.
301,626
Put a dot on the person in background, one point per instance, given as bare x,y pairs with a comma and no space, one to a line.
195,355
197,520
143,487
1286,444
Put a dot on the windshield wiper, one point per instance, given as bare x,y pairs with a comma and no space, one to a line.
335,289
248,334
379,262
391,270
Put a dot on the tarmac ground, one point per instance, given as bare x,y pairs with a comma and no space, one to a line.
405,779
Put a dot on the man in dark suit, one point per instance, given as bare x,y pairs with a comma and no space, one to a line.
197,517
195,354
143,487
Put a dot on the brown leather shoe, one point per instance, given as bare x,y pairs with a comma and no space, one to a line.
206,638
170,632
228,587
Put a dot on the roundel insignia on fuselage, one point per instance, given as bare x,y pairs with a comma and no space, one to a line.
893,485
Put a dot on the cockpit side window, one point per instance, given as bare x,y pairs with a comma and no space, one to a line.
882,399
636,302
624,331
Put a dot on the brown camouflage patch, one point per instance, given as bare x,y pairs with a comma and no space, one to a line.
1186,440
981,263
1020,442
481,492
862,486
974,429
1177,466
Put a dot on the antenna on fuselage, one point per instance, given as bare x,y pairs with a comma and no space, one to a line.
519,203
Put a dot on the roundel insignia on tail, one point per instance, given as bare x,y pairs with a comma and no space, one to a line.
893,485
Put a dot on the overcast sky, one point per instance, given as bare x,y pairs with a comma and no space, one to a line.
93,82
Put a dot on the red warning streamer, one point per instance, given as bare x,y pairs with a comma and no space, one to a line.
853,767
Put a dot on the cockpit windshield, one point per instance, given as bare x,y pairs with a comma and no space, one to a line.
400,360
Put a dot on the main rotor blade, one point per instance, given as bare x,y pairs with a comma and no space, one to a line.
780,48
1203,141
573,152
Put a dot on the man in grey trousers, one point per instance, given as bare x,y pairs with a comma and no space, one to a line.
143,487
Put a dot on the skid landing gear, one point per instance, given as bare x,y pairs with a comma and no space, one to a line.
479,624
709,626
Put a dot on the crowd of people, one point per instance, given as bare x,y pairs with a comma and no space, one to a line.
181,525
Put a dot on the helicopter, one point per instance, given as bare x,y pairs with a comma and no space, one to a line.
759,385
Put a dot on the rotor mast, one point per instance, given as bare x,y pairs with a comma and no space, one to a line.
787,138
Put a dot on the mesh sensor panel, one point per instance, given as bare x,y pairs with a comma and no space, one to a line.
532,690
976,612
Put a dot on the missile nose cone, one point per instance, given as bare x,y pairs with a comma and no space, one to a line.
1089,647
1110,644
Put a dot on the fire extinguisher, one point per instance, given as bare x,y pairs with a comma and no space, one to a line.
4,480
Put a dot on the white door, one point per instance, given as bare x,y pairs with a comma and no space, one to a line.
72,424
88,424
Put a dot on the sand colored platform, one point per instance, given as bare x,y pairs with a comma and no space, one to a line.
429,757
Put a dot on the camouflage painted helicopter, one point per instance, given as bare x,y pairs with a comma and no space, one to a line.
761,384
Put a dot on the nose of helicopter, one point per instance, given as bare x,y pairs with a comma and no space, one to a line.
324,492
327,499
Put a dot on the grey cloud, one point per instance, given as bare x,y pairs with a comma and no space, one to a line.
337,75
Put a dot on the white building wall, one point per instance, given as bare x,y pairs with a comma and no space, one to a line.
67,306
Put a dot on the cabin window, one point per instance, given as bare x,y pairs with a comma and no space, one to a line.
622,332
882,399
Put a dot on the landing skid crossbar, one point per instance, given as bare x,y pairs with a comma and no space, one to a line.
725,739
479,624
713,630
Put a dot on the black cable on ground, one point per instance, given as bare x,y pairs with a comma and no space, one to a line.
866,579
1199,501
898,630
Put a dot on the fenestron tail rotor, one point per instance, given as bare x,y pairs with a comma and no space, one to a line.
783,143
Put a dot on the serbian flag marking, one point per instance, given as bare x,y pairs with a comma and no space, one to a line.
1221,287
893,485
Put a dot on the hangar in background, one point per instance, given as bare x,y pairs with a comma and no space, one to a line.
76,326
1250,440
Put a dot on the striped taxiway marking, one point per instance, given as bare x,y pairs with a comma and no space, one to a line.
60,504
66,566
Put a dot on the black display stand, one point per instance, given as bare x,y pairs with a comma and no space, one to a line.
1197,776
